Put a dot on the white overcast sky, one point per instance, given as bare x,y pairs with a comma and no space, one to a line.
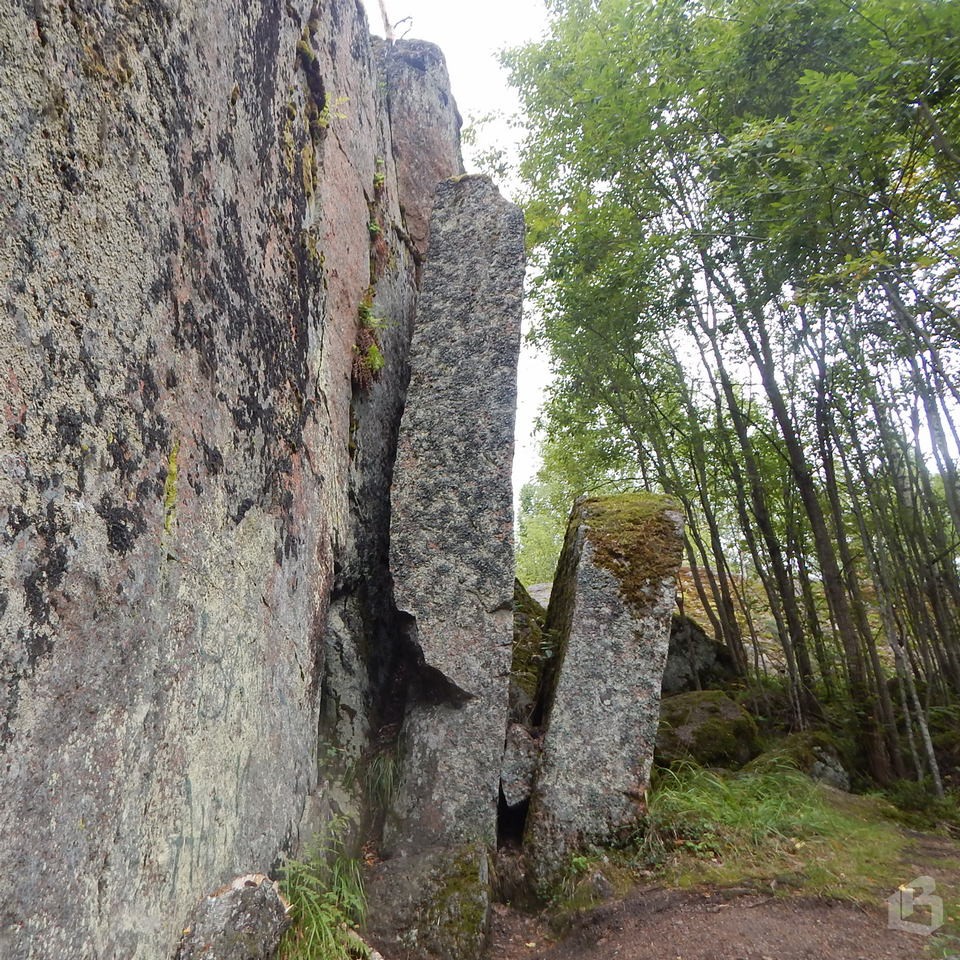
470,37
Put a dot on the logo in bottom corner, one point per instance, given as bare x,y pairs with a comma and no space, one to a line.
903,904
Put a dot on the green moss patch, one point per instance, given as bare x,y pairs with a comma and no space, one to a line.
457,920
632,538
530,652
707,727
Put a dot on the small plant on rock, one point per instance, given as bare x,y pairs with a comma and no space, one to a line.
325,893
368,357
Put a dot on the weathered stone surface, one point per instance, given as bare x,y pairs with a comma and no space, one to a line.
540,593
243,920
520,754
363,661
707,727
434,904
695,661
530,650
610,615
185,193
452,524
424,122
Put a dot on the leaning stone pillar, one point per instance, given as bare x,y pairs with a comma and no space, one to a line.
452,526
609,615
451,559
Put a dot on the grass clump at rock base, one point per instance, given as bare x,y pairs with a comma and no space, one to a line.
773,827
325,893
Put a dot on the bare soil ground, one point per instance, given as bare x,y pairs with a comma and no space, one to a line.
684,925
736,924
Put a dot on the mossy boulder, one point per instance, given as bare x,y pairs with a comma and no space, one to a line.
695,661
707,727
813,752
433,905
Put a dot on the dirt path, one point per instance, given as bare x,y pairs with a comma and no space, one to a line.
658,924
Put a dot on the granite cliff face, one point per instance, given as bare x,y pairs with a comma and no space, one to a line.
241,567
196,199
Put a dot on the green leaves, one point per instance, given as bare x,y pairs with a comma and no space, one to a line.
744,222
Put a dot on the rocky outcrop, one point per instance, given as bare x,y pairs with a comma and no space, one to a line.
708,728
243,920
609,615
814,752
196,199
425,122
695,661
452,525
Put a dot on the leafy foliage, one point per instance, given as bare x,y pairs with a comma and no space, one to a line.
325,892
743,215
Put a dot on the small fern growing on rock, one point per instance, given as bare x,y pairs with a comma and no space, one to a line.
368,357
325,893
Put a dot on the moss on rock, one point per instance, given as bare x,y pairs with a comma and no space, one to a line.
457,919
530,651
634,538
433,905
707,727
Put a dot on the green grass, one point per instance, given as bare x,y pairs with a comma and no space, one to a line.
325,893
919,807
382,778
773,827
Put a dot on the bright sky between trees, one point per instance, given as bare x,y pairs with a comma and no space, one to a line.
470,38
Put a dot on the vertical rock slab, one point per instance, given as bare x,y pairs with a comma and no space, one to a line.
610,613
360,662
452,524
451,558
424,122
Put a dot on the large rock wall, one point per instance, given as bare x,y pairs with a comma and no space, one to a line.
186,191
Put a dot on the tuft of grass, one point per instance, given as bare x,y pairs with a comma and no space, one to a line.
919,807
326,897
382,778
773,827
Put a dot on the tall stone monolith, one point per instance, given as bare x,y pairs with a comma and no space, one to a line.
452,524
452,564
600,697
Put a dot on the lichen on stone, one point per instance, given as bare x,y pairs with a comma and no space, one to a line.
170,487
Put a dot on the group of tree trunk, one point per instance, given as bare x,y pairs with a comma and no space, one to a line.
744,218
